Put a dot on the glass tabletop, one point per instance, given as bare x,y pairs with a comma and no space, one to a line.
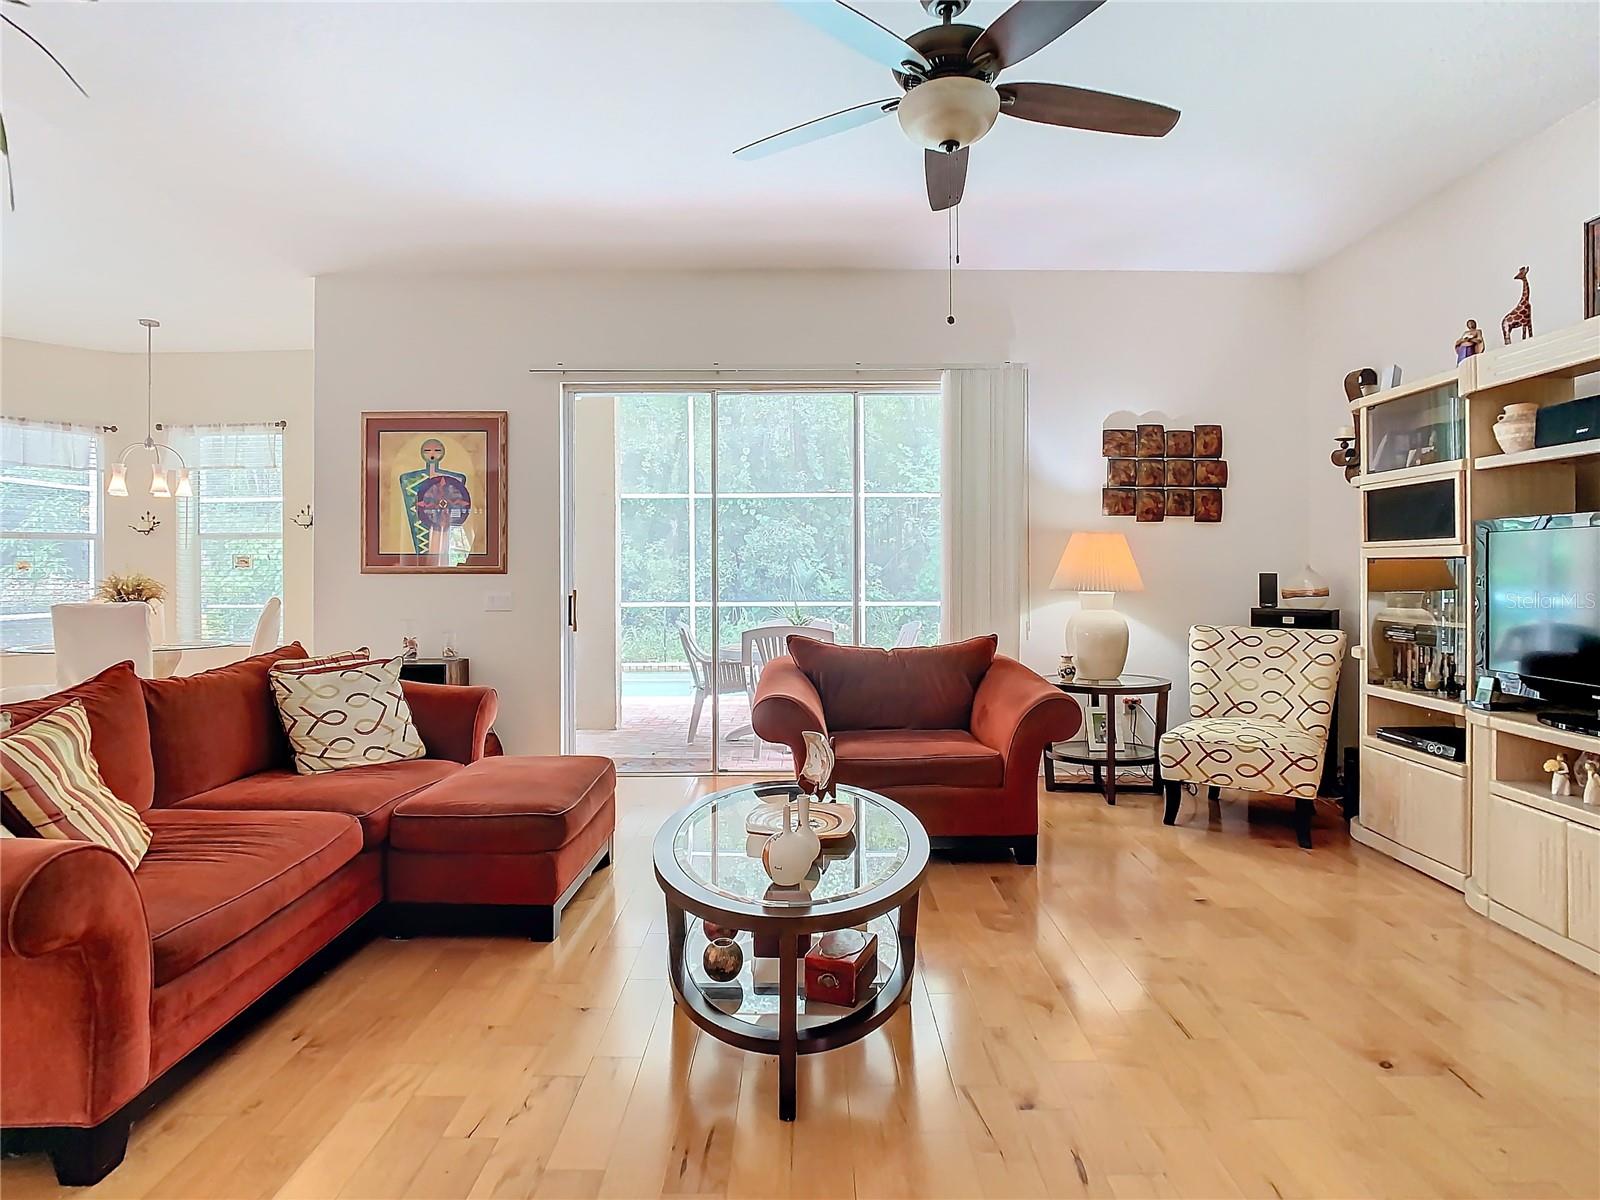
714,849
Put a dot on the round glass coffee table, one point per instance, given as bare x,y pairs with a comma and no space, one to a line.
710,867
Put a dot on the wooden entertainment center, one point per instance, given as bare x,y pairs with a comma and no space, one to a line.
1487,826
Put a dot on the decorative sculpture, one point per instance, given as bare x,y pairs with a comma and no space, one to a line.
1520,317
818,767
1591,787
1469,343
1560,775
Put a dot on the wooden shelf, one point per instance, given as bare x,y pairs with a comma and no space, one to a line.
1428,700
1421,548
1537,795
1430,383
1562,354
1427,760
1528,725
1572,451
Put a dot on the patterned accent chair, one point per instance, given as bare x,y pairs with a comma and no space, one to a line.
1262,699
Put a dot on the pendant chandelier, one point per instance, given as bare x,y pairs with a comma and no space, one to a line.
161,485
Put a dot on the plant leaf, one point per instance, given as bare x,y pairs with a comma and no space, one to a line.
47,53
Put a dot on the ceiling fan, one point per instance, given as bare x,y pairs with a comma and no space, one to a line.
947,72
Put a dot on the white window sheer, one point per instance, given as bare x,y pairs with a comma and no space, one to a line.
230,532
50,523
985,502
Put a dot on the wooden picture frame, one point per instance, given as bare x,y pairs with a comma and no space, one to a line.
433,493
1591,268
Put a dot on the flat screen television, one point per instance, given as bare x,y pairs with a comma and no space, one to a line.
1537,591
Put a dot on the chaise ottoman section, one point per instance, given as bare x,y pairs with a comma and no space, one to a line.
505,838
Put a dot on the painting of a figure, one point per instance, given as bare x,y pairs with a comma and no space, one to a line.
433,495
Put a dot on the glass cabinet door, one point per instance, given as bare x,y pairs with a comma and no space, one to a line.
1413,431
1416,625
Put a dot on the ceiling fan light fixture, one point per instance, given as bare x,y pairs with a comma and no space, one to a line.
949,113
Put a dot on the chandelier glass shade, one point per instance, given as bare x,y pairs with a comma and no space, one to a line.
948,113
161,482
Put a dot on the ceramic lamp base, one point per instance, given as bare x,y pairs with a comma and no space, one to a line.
1099,638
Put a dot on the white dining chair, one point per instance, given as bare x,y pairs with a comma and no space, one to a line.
91,637
758,647
268,627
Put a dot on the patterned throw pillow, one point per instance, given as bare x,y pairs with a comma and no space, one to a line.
50,786
345,714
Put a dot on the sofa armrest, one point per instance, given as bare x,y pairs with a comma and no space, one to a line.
75,983
1018,712
453,721
787,707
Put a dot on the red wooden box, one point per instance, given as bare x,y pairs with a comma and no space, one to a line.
841,967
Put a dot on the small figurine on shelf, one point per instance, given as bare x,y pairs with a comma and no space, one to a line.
449,650
1560,775
1469,343
408,648
1520,317
1591,786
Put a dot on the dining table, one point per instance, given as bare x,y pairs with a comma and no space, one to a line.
165,656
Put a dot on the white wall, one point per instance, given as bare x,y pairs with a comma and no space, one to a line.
1403,295
1224,348
95,387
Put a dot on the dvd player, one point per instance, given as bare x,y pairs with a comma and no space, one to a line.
1437,741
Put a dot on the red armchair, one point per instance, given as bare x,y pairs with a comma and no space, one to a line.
953,732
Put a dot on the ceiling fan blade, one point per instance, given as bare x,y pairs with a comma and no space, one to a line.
861,33
1028,27
811,131
1080,108
947,177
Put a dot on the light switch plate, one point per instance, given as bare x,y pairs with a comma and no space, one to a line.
497,602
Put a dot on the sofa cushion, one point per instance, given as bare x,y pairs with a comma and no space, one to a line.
50,787
1247,753
345,714
119,730
211,877
900,757
367,793
212,728
512,805
912,687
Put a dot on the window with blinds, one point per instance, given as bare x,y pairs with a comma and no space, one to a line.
230,532
51,524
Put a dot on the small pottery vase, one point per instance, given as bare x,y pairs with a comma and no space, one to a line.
714,931
788,856
722,960
1513,428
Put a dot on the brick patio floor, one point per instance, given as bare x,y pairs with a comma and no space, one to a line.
651,737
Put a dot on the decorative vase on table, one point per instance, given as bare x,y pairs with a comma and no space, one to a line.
1306,589
722,959
789,855
1513,428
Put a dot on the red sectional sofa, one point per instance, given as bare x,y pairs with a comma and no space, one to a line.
108,977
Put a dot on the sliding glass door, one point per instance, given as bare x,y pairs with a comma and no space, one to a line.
706,525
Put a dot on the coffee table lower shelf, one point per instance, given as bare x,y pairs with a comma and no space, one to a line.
788,1038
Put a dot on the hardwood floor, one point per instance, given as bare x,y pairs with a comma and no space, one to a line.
1195,1011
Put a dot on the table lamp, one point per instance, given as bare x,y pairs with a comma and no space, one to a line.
1096,566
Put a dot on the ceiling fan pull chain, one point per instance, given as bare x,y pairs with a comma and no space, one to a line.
950,265
958,233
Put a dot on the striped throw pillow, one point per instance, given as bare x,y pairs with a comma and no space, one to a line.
345,714
50,787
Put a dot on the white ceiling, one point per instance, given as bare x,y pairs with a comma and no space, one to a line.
228,153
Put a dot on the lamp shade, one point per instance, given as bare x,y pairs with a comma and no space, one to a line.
1097,562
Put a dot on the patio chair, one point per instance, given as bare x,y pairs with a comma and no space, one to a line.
758,647
722,676
910,634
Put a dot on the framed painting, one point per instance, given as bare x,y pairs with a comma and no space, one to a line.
433,492
1591,268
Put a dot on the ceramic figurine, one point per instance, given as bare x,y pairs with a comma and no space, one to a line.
408,648
817,771
1469,343
1520,317
722,959
1560,775
1591,787
449,650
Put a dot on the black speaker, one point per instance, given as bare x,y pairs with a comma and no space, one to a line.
1574,421
1267,583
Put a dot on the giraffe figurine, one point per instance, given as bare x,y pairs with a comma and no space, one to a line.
1520,317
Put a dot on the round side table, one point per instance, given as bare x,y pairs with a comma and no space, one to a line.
1106,763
